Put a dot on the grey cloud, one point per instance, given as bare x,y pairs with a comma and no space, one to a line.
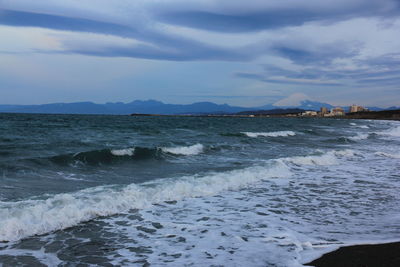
165,47
286,80
282,14
164,53
160,45
305,54
379,71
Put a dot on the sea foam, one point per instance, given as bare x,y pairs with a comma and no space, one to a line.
123,152
328,158
184,150
394,132
270,134
387,155
33,217
359,136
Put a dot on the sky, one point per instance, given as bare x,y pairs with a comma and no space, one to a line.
245,53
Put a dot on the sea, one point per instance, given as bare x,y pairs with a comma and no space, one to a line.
97,190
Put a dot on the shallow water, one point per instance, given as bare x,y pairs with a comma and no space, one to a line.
176,191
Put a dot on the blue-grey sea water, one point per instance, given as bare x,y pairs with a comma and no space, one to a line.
80,190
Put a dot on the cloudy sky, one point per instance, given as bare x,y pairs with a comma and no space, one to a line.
238,52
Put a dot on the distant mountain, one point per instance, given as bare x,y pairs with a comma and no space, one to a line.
137,106
60,108
381,109
156,107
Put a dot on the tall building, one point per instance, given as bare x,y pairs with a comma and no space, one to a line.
324,111
355,108
338,111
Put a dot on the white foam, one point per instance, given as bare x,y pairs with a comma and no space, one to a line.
32,217
344,153
185,150
394,132
359,136
359,126
270,134
328,158
123,152
387,155
363,126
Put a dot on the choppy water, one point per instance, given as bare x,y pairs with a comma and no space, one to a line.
177,191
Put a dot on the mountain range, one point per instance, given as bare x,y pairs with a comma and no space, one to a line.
152,107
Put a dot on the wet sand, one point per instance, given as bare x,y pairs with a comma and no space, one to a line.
379,255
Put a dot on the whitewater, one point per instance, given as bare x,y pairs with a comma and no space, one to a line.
166,191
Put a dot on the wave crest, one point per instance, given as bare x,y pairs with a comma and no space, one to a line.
359,137
34,217
107,156
394,132
184,150
270,134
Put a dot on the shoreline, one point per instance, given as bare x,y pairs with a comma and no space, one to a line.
284,116
363,255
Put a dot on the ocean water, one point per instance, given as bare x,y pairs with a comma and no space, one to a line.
185,191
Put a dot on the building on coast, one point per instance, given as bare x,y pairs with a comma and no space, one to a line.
323,111
356,108
309,113
337,111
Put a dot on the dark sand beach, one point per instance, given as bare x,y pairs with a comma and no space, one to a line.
379,255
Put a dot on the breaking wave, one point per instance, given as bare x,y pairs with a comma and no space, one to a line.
359,137
184,150
394,132
34,217
107,156
111,156
270,134
329,158
359,126
123,152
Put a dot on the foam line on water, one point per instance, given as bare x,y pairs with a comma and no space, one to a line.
32,217
393,132
184,150
387,155
326,159
270,134
359,136
123,152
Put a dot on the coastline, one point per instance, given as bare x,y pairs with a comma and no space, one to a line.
364,255
370,115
